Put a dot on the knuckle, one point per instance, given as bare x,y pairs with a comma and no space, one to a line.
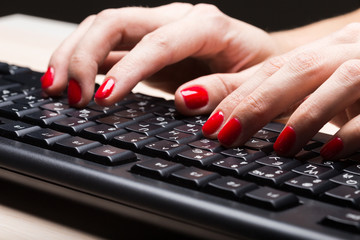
348,34
305,62
157,39
309,113
350,72
107,14
273,64
177,5
256,105
211,14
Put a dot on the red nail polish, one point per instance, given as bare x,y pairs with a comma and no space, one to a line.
195,97
285,140
74,92
105,89
213,123
332,148
230,132
48,78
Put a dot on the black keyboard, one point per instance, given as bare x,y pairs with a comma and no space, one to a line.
141,157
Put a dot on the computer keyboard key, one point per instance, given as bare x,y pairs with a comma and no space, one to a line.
101,132
199,120
33,100
134,114
344,220
75,145
132,140
110,155
229,187
266,135
45,137
348,179
259,145
86,114
244,153
17,129
16,110
105,110
344,196
354,168
165,149
71,125
308,186
156,168
11,94
145,128
197,157
207,144
163,121
58,107
279,162
271,198
192,177
43,117
115,121
233,166
316,171
176,136
189,128
270,175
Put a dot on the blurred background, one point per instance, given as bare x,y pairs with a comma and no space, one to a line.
270,15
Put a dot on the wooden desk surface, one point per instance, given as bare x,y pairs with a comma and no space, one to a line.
29,41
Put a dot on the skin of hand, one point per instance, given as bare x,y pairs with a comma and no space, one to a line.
165,46
320,80
173,44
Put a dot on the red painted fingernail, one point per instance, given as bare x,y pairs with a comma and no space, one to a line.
230,132
195,97
48,78
332,148
105,89
285,140
213,123
74,92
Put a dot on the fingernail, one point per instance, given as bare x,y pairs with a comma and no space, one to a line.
195,97
213,123
230,132
105,89
332,148
48,78
74,92
285,140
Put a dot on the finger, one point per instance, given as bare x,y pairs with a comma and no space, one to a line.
330,99
202,95
55,79
173,43
114,29
299,77
344,143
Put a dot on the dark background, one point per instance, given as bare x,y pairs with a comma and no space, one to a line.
268,14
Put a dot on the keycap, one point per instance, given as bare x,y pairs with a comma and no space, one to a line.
71,125
279,162
207,144
165,149
271,198
16,110
17,129
133,114
344,196
233,166
246,154
45,137
315,171
199,120
163,121
143,106
86,114
197,157
43,117
110,155
11,94
58,107
308,186
259,145
105,110
266,135
156,168
101,132
176,136
33,100
346,219
75,145
270,175
146,128
189,128
115,121
192,177
134,141
229,187
346,178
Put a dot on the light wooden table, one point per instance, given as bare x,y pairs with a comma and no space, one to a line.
29,41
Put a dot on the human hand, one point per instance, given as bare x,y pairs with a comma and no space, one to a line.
320,81
167,46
